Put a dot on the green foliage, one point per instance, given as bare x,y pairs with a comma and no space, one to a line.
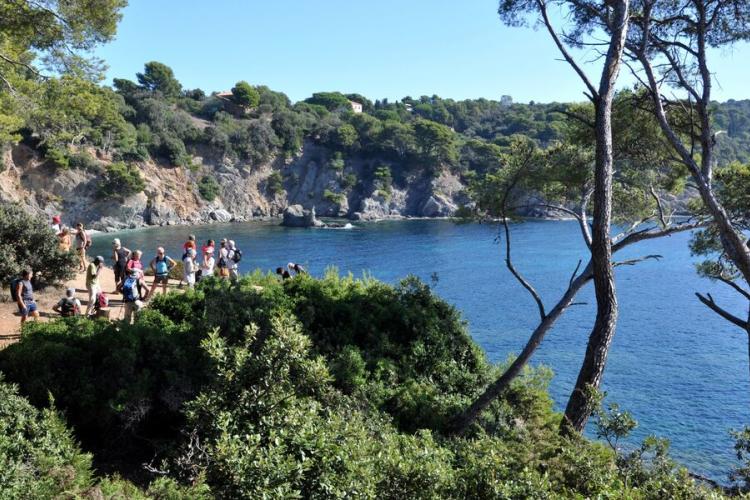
84,161
314,388
27,243
120,180
337,163
436,142
245,95
158,77
348,181
38,455
275,182
333,197
208,188
329,100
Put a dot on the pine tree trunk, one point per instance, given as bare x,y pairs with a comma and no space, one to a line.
578,408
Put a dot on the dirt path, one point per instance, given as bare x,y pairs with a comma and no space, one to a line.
10,320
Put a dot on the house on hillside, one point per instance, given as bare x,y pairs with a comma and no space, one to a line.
227,100
356,107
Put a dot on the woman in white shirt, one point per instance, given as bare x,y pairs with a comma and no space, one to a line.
190,267
207,266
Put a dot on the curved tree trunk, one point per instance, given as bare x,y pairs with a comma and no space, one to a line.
465,419
578,408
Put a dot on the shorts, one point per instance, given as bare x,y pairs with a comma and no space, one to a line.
161,279
29,307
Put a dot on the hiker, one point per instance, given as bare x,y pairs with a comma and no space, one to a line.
132,296
190,243
69,305
284,273
296,268
207,265
189,267
223,263
208,247
135,262
120,256
56,226
23,293
234,255
83,242
64,240
92,282
161,265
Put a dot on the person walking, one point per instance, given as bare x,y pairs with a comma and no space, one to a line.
234,255
223,262
161,265
120,257
189,267
23,293
131,294
69,305
92,282
83,242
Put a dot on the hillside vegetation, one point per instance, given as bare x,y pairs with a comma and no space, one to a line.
297,390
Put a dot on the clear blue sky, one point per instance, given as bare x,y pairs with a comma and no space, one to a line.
389,48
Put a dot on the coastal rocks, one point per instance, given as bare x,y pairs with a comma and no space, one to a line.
297,216
438,206
220,215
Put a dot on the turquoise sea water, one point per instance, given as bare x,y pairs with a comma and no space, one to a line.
682,371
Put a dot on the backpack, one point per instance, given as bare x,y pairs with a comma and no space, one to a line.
14,289
68,307
236,255
102,301
222,262
130,290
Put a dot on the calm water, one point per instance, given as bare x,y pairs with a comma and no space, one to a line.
682,371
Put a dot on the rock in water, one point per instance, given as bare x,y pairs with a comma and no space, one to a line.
297,216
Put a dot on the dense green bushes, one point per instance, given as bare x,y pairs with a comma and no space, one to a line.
27,242
208,188
314,389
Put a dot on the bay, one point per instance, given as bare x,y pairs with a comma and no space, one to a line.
681,370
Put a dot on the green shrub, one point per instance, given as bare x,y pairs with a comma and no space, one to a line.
337,163
26,242
38,456
58,157
245,95
120,181
208,188
83,160
348,181
335,198
275,182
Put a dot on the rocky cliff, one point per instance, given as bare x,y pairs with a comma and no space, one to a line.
358,189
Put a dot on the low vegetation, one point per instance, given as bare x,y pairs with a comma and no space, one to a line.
309,388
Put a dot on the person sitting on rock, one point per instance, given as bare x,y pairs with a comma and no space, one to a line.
69,305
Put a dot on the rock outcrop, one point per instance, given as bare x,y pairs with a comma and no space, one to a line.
313,181
297,216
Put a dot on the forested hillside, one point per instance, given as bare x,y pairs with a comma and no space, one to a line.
170,155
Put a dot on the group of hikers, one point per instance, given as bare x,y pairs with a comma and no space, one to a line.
129,273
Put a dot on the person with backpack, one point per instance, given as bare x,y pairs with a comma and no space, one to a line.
22,293
92,283
296,269
234,256
189,267
161,265
83,243
120,256
69,305
223,263
131,294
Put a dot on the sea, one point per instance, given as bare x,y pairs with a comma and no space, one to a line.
681,370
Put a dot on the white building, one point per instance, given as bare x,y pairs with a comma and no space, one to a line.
356,107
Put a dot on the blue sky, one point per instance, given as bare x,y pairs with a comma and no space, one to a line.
388,48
